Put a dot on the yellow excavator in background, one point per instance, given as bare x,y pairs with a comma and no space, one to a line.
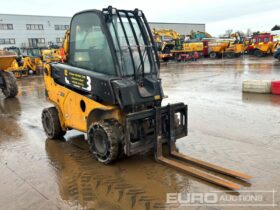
108,86
165,40
171,45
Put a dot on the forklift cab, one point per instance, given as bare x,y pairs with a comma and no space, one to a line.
117,39
115,51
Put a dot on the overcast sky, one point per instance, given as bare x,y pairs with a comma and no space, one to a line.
219,15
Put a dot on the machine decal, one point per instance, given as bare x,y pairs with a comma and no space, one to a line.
77,80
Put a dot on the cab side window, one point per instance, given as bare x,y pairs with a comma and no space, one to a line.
89,47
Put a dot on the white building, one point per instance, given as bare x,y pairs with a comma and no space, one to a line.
31,31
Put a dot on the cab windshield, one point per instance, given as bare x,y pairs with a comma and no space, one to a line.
34,52
133,51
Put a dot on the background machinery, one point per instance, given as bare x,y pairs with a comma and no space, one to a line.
261,44
229,47
52,54
236,47
165,40
205,37
199,35
24,62
184,49
172,45
109,87
8,82
216,47
35,59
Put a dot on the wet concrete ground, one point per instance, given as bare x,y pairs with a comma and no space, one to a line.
226,127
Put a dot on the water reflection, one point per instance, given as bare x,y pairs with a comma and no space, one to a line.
133,183
10,111
263,99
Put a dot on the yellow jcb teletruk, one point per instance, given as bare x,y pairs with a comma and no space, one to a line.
109,87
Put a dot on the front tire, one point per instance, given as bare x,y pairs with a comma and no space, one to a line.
259,53
51,123
106,140
10,89
165,59
229,55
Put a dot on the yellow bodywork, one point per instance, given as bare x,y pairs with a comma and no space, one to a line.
65,45
8,63
164,38
68,104
51,55
32,63
58,55
264,47
165,55
6,59
236,48
28,64
276,44
218,47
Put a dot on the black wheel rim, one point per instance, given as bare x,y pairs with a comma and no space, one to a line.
99,143
212,55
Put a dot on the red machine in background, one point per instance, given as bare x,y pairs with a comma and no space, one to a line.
261,44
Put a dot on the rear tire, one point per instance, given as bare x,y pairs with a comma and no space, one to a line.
229,55
51,123
10,89
106,140
165,59
213,55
